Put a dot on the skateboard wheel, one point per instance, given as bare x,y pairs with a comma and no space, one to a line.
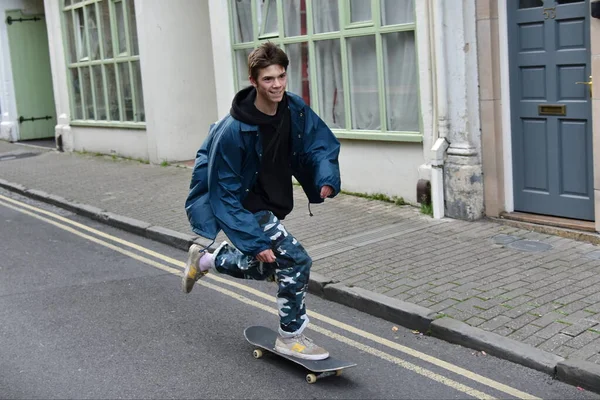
311,378
257,353
338,372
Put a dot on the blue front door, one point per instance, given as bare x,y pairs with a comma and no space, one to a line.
549,43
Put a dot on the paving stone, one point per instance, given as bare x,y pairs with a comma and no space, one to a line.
494,323
518,323
554,342
583,339
492,312
524,332
503,331
443,305
551,330
588,350
578,328
520,302
534,340
547,319
594,359
397,290
475,321
564,351
595,308
574,306
580,316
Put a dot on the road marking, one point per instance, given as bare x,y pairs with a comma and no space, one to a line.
368,349
359,332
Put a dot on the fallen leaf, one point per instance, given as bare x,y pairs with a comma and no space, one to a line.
416,332
580,388
395,328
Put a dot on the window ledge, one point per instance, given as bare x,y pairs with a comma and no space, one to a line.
107,124
414,137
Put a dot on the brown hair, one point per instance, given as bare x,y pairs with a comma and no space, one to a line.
265,55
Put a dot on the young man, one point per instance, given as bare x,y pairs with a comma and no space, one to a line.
242,184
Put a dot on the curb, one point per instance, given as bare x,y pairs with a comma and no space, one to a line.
408,315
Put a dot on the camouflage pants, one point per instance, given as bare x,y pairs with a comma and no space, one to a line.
290,270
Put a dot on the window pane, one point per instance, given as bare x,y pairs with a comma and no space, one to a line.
111,85
107,42
71,35
397,12
530,3
133,36
82,50
76,85
92,29
330,85
101,113
139,92
364,95
126,96
360,10
242,20
120,17
298,76
326,16
86,87
400,71
267,17
294,16
67,2
241,57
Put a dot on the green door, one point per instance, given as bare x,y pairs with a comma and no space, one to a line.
30,60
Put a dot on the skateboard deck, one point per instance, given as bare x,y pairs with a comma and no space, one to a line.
264,338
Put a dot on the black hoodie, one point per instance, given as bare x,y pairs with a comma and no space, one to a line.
273,188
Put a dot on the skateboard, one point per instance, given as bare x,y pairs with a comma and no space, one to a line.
264,338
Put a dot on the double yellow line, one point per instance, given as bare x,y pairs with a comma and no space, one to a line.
69,226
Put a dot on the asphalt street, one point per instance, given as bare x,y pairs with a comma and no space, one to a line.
88,311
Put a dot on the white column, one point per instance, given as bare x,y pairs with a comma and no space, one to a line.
463,180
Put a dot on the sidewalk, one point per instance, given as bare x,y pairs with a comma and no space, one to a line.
536,289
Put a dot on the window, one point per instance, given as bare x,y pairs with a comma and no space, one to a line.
103,62
353,61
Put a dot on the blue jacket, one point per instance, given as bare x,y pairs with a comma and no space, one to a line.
227,166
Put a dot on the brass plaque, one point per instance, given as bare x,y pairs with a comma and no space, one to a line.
551,109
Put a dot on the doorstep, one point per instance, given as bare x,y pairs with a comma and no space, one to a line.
584,231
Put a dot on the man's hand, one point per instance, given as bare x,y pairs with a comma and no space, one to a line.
266,256
326,191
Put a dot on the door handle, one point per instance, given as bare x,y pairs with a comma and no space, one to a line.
586,83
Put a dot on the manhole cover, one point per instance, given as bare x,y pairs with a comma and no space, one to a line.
16,156
529,245
505,239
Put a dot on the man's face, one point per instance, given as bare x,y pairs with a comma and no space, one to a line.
271,83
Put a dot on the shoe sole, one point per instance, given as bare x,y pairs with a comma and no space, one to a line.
187,283
307,357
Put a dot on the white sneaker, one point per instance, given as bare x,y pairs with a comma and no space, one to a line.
193,271
301,347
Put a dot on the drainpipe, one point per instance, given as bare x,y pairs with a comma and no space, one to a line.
440,145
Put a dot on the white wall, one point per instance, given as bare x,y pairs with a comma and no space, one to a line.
123,142
223,60
177,75
381,167
9,128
